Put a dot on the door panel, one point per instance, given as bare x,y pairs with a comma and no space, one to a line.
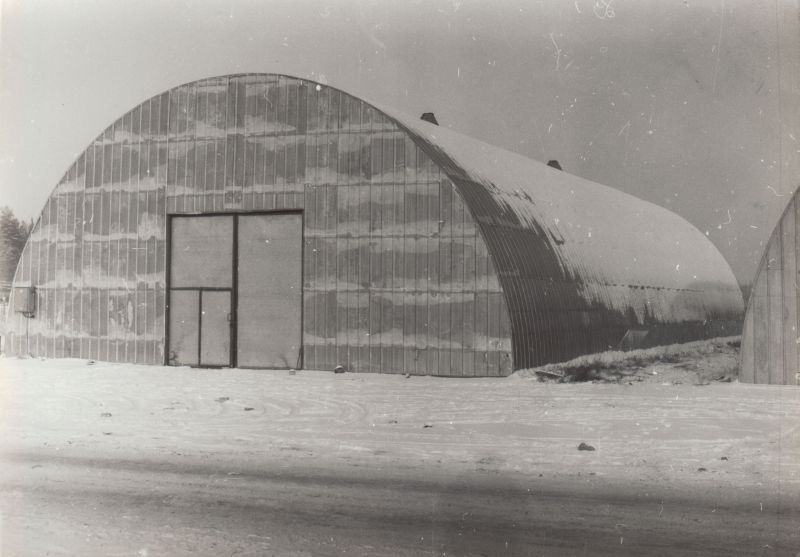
270,293
184,310
202,252
215,328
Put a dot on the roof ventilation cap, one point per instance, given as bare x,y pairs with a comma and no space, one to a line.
429,117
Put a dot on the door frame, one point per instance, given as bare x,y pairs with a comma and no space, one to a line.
234,289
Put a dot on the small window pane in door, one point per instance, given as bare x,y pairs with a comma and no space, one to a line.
183,327
215,335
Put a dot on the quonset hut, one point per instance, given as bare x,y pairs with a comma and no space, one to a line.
770,336
268,221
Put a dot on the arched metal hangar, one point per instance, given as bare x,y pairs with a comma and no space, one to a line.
268,221
770,337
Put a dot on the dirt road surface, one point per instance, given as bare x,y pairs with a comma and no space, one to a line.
110,459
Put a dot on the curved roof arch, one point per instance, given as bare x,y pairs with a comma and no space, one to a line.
588,225
563,207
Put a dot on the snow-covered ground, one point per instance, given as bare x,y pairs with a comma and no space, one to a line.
669,435
639,430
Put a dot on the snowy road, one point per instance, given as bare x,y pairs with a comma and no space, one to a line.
88,507
126,460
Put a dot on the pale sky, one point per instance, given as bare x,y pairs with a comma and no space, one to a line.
685,103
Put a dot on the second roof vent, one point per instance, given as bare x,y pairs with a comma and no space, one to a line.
429,117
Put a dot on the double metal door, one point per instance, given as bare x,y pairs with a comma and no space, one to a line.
235,292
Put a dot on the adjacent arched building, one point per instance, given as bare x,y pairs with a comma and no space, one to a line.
770,338
269,221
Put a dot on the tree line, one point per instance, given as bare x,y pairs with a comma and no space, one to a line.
13,235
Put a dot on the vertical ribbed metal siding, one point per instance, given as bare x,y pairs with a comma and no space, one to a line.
545,308
397,276
770,336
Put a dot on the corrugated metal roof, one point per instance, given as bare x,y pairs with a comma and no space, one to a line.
582,263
